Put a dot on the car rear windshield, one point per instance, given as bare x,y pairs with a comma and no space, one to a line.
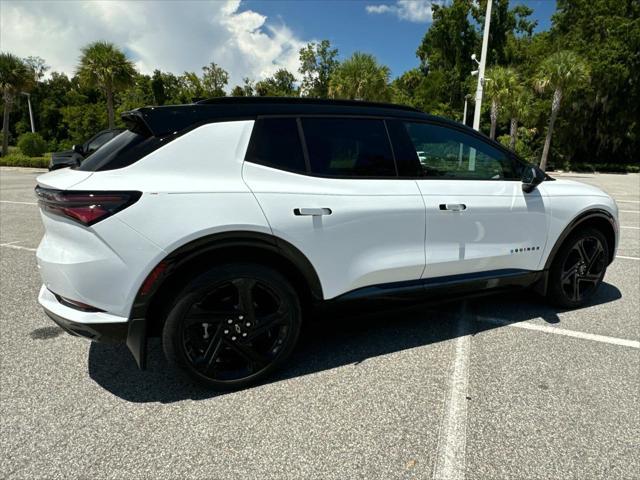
121,151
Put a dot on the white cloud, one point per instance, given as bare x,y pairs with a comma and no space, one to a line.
173,36
418,11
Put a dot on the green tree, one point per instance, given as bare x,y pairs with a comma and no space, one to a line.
83,121
190,88
214,80
507,25
166,88
447,47
138,94
244,90
404,89
15,77
562,72
318,61
517,108
281,84
601,121
248,87
500,84
237,91
38,66
157,87
360,77
104,66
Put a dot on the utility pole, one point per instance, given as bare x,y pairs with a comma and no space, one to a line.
33,127
482,64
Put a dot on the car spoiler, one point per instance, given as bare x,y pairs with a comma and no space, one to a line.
166,120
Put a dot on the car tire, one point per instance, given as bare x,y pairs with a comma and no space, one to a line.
578,268
232,326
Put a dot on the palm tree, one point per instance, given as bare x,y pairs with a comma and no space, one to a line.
104,66
517,107
360,77
15,77
563,71
500,83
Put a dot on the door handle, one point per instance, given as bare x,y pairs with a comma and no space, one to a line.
315,212
453,207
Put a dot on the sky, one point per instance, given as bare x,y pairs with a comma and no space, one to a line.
249,38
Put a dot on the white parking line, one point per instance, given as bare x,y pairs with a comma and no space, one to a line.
629,211
627,201
452,440
17,247
631,228
561,331
627,258
19,203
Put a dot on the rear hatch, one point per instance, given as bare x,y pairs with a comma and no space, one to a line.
63,179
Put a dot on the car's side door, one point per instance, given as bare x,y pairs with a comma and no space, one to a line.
478,217
329,187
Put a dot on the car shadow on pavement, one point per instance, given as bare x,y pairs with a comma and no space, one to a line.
333,340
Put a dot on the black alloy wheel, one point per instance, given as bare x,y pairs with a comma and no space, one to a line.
233,326
579,268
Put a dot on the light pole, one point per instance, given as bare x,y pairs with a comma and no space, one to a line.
33,127
464,115
481,67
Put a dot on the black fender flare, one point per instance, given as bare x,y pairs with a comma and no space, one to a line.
596,213
137,332
583,217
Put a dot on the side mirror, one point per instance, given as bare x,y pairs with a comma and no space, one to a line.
78,149
531,178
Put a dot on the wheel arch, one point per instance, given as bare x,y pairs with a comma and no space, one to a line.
597,218
198,255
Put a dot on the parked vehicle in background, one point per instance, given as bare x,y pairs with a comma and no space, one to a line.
217,226
75,156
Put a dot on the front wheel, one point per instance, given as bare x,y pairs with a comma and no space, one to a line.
578,269
233,325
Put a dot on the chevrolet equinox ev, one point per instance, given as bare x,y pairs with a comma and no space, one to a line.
217,225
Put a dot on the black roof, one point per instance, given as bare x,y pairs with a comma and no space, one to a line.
164,120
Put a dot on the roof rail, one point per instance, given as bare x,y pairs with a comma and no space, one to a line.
301,101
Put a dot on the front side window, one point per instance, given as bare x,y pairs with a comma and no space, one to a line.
276,143
348,147
449,153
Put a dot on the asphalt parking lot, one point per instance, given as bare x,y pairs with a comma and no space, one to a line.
503,387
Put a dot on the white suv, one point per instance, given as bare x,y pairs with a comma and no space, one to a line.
217,225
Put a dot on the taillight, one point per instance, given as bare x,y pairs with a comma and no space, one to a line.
84,207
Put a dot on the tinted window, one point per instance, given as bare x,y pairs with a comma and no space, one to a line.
97,142
403,150
121,151
450,153
348,147
276,143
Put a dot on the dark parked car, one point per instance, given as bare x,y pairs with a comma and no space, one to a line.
75,156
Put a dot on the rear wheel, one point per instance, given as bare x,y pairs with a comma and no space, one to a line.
578,269
233,326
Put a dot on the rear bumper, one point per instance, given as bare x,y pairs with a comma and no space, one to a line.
98,332
97,326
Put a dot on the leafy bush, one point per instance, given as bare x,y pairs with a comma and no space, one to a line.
20,160
32,144
605,168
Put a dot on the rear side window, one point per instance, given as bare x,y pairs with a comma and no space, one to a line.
348,147
276,143
121,151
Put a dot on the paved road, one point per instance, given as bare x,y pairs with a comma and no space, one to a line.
506,387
